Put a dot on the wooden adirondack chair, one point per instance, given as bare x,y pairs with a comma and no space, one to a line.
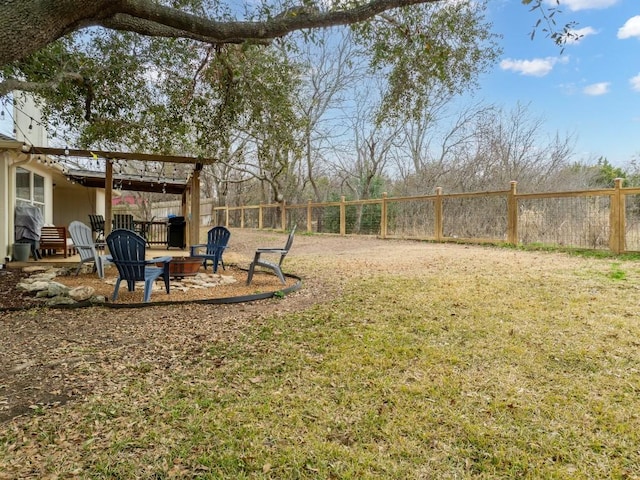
258,261
217,240
128,250
82,238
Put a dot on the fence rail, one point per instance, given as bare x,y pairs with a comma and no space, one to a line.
602,219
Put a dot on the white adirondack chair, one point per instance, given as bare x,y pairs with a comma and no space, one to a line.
82,238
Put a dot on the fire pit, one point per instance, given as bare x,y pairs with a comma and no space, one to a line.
181,267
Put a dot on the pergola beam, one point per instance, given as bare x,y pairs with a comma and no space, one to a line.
144,157
108,199
193,185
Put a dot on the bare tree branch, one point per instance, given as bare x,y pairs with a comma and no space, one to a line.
28,25
11,84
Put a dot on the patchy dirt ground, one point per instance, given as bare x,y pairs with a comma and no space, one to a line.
44,352
52,356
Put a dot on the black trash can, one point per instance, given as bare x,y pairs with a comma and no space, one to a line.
176,232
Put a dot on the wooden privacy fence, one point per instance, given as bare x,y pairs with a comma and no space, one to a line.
607,219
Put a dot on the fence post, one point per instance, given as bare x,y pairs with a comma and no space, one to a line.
309,226
260,217
617,218
226,216
343,216
383,216
438,222
283,215
241,217
512,214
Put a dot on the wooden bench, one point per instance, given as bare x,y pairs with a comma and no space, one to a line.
53,239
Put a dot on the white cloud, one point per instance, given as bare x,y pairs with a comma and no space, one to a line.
538,67
569,88
576,36
576,5
635,83
631,28
596,89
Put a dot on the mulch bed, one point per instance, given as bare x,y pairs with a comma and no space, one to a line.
12,297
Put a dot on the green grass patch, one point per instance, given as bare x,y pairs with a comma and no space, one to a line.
580,252
460,376
617,273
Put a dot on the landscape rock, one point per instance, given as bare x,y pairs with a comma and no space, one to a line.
60,300
56,289
43,276
33,286
33,269
42,283
82,293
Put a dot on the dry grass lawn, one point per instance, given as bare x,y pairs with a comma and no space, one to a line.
396,360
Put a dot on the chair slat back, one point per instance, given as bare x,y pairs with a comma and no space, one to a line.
97,222
128,250
82,239
217,238
287,246
123,220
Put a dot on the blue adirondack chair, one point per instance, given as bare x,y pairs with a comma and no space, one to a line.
217,240
127,251
259,261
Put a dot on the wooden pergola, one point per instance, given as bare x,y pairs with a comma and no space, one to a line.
190,194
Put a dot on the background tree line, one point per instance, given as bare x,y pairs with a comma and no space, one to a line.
314,115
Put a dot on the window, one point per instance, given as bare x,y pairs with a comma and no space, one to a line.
29,188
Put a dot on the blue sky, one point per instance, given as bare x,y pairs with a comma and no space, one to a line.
590,90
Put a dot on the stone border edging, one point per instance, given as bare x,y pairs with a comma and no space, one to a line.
206,301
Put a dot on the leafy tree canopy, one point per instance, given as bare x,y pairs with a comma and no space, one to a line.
184,86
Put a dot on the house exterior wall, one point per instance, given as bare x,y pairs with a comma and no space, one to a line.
63,201
75,202
28,119
10,159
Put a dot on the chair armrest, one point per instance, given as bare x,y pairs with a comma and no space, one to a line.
271,250
159,260
204,245
192,250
